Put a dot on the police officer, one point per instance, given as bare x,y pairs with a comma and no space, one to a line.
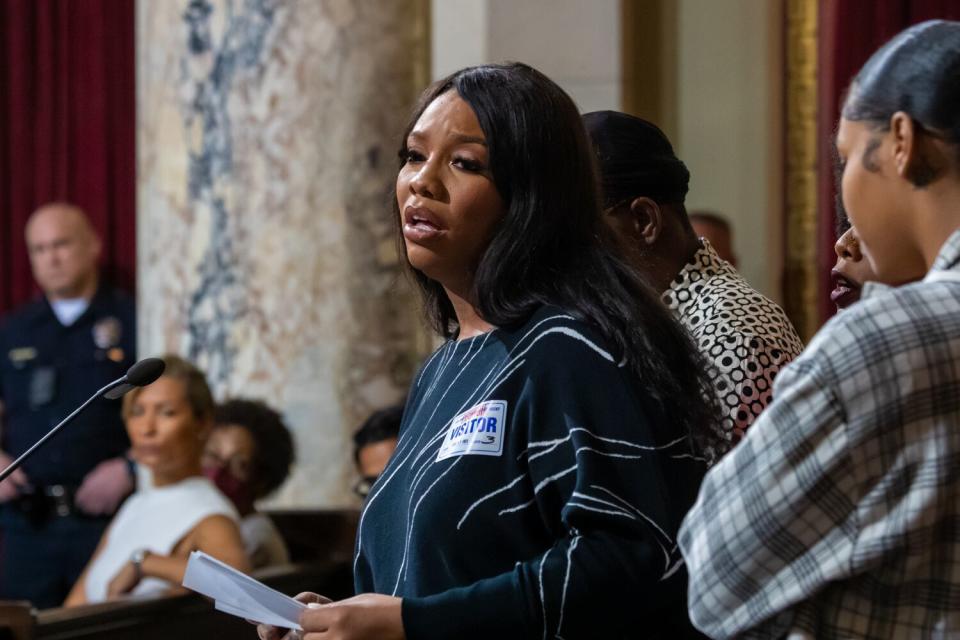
54,354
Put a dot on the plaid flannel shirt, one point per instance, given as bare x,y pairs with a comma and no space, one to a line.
838,515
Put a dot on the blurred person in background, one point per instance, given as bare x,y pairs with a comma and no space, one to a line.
55,353
373,444
717,231
851,271
145,549
248,457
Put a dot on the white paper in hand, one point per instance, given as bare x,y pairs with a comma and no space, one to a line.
240,595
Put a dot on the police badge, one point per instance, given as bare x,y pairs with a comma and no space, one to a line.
107,332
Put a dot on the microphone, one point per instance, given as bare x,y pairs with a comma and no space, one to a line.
139,375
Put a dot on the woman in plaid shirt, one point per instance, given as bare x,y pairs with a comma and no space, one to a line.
839,513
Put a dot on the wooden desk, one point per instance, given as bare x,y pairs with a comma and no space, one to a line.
321,545
183,617
318,534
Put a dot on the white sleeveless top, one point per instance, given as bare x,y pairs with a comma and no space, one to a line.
155,519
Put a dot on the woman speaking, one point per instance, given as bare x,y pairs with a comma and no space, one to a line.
549,449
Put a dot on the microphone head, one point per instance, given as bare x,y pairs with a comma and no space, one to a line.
144,372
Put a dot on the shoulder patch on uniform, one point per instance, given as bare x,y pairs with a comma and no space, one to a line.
476,431
107,332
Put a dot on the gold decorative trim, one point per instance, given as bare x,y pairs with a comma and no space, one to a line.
423,27
424,340
800,277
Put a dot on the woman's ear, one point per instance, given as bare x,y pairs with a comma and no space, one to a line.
919,158
647,219
903,132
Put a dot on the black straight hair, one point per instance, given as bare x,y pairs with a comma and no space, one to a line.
917,72
552,247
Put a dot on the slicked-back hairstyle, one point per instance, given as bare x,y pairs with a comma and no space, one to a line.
552,247
917,72
195,386
274,445
635,159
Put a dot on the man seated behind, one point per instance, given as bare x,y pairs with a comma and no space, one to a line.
373,444
745,335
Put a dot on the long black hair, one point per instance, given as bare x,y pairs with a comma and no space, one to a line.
552,247
917,72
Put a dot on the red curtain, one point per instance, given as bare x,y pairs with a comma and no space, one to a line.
67,127
849,31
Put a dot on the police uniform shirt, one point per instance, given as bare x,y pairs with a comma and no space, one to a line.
534,492
47,370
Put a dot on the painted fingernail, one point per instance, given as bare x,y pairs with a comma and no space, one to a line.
313,605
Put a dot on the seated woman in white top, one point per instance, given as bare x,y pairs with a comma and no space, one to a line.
144,550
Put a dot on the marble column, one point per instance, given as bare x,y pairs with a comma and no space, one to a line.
267,132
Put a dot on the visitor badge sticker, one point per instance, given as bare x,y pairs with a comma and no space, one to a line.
476,431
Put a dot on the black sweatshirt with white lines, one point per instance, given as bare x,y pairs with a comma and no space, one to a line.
534,493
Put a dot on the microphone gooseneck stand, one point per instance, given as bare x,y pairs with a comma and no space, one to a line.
140,374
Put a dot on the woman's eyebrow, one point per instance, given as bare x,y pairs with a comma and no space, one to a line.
459,138
463,138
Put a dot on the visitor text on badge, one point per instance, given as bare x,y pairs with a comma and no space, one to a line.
476,431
